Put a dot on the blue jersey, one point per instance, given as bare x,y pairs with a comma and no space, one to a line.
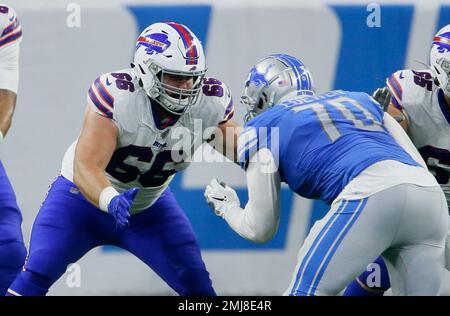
322,142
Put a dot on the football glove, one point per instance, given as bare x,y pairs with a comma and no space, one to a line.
383,97
120,205
221,197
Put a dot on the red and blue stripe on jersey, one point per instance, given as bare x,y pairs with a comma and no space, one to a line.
11,33
229,112
101,98
396,89
188,41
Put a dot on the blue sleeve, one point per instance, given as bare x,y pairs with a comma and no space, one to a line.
247,145
258,133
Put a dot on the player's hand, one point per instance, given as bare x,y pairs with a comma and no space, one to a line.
221,197
383,97
120,205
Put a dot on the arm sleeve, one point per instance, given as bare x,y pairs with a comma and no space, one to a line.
259,220
402,138
9,67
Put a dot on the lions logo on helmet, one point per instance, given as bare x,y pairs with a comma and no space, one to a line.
171,49
273,78
257,78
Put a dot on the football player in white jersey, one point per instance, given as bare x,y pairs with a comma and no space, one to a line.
140,127
420,101
12,249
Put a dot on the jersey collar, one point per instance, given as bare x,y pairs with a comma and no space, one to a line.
162,124
443,105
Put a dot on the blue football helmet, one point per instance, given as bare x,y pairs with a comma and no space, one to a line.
273,78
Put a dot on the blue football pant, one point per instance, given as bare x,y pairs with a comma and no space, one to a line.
370,284
12,248
407,224
68,226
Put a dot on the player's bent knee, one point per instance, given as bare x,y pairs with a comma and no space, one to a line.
47,262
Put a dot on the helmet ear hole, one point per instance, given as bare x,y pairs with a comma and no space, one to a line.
260,104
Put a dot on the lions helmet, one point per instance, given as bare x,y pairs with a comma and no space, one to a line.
169,49
273,78
440,59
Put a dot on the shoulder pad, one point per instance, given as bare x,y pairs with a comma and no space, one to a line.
10,29
221,97
409,86
109,89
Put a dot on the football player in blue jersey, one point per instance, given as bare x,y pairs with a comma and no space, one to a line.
12,248
420,99
339,147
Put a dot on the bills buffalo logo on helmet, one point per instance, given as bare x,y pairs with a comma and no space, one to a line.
154,43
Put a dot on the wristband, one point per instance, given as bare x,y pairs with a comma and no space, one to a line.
105,197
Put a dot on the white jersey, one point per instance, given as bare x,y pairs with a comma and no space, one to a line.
147,154
10,37
422,102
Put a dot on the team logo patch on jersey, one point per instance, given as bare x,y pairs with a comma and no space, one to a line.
154,43
442,41
159,145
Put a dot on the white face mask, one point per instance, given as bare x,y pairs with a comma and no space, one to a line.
440,58
442,73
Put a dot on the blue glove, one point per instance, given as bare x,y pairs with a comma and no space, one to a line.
120,205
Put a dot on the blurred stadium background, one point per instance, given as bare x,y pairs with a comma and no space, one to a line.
351,45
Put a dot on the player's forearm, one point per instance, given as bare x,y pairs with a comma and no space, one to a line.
399,116
257,225
259,220
230,142
93,152
91,180
225,140
7,106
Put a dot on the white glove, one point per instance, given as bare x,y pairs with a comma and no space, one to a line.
221,197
